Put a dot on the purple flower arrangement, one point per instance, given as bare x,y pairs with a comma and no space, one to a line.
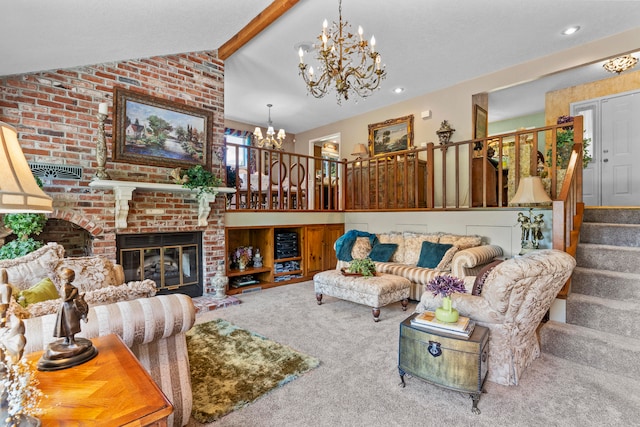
446,285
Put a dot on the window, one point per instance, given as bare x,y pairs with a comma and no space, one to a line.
236,156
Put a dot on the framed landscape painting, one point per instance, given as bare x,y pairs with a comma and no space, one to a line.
391,135
156,131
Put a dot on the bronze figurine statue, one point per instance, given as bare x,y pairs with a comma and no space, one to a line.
68,351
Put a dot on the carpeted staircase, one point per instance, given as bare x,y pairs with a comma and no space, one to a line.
603,308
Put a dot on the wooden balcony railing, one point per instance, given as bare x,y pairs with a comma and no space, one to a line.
273,180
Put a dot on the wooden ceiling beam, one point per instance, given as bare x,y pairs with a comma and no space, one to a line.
253,28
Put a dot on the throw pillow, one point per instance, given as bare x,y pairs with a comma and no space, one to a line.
361,248
478,284
461,241
383,252
42,291
431,254
445,262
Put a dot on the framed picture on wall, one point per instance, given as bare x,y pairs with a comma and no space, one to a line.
159,132
479,122
391,135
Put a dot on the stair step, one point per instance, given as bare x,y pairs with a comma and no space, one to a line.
610,234
601,350
619,215
606,284
606,315
606,257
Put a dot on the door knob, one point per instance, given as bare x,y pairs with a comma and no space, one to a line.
605,160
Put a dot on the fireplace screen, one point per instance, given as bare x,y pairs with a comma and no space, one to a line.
169,260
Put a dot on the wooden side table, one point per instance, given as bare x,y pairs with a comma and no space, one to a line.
111,389
445,360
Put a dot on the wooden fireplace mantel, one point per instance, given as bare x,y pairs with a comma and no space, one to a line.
123,191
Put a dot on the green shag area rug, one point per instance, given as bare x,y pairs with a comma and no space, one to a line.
231,367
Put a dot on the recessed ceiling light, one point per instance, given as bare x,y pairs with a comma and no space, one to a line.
398,90
571,30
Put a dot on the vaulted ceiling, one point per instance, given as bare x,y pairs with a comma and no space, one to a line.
426,45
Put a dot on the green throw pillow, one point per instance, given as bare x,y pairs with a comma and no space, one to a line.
431,254
382,252
42,291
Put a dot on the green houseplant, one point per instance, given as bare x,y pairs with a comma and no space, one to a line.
198,178
364,266
23,225
564,146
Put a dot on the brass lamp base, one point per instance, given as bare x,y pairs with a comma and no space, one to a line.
62,356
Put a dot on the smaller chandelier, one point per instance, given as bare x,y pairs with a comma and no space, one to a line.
620,64
347,61
272,140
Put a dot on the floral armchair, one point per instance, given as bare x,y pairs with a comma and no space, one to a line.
511,298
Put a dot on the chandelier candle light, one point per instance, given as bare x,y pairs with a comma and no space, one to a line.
347,61
272,140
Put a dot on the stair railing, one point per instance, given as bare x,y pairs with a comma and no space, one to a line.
568,207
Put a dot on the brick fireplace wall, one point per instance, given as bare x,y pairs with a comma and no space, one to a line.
55,115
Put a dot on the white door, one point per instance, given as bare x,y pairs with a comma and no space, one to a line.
620,153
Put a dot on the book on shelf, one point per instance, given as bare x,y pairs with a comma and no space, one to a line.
428,318
428,328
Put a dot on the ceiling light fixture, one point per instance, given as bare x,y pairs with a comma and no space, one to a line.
272,140
398,90
347,62
620,64
571,30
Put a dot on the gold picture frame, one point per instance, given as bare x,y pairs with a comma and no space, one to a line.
391,135
480,122
158,132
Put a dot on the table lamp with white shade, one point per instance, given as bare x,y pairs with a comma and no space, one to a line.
530,192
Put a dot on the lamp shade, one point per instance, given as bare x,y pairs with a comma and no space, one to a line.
19,191
530,192
360,150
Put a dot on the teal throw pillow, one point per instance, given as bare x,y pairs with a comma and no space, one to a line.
382,252
431,254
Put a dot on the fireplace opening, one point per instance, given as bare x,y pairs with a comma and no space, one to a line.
172,260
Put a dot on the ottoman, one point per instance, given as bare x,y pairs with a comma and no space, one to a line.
376,291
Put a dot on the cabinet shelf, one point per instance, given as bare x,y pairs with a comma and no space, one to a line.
247,271
284,273
295,258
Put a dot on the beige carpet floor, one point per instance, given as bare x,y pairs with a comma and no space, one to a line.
357,382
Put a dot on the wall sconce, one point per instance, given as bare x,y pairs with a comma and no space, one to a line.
360,151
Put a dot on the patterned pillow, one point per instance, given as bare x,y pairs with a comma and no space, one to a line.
461,241
361,248
445,262
478,284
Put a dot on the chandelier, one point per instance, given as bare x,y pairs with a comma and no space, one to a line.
347,62
272,140
620,64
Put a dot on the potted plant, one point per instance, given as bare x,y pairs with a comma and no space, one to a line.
23,225
564,146
197,178
445,286
365,267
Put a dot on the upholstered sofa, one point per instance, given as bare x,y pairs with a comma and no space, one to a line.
460,255
511,298
153,328
98,278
